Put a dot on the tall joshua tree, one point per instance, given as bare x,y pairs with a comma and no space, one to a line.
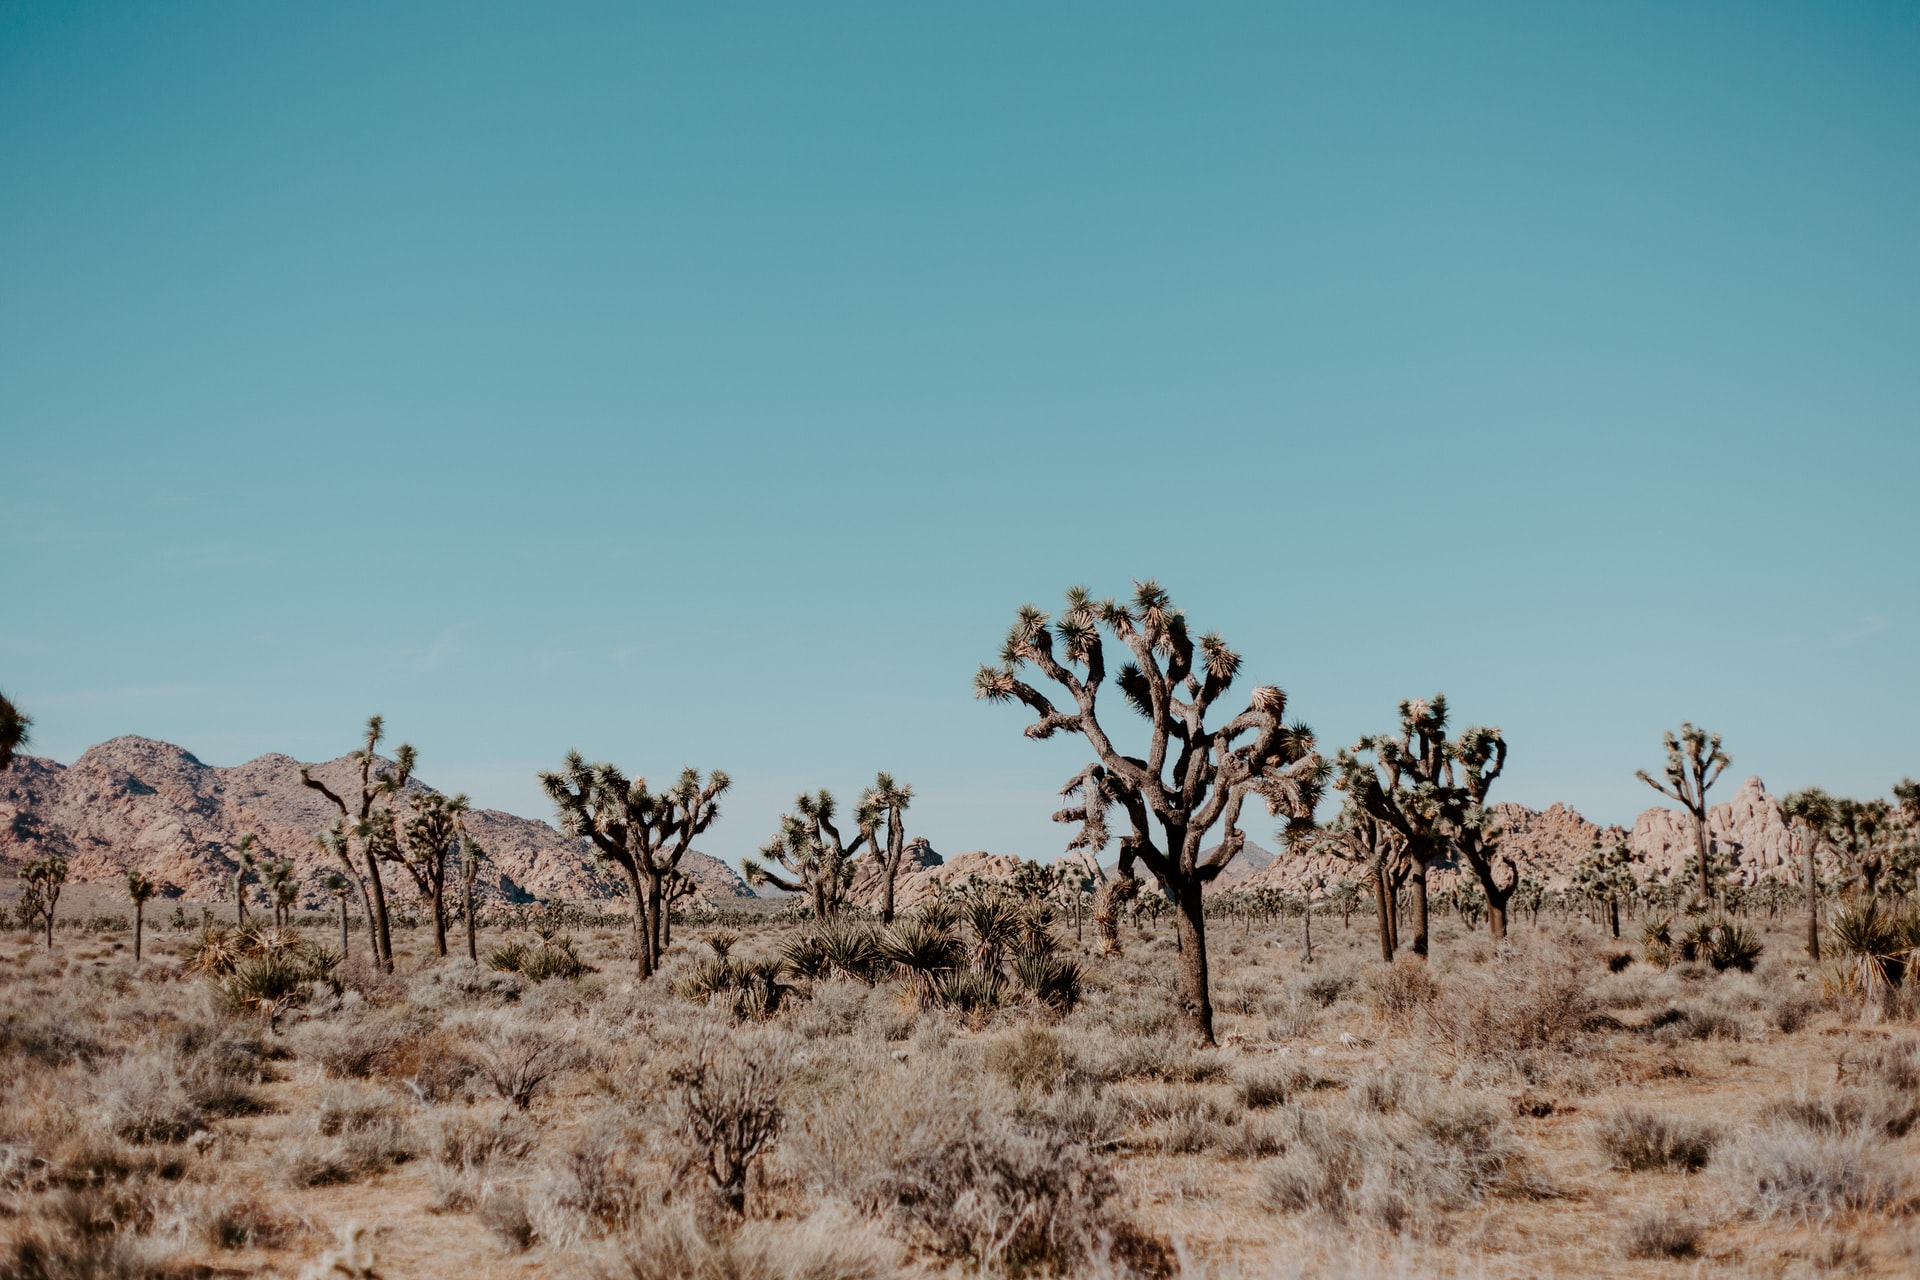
1810,812
809,848
427,837
365,827
1189,779
888,800
1480,756
244,863
642,832
1694,763
139,888
471,856
1360,837
43,878
15,726
337,886
1408,785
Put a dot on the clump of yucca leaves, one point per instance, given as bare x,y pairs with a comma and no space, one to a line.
1878,947
265,969
550,955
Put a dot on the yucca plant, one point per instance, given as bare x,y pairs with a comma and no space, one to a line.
969,990
709,978
507,957
1875,944
938,914
1036,928
803,957
1656,941
923,951
1731,945
555,959
216,949
848,949
1054,981
995,923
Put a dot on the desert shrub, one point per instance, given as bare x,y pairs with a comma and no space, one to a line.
1405,988
1728,944
350,1133
1794,1010
1637,1139
144,1099
1659,1235
1891,1111
1404,1172
1673,1025
224,1219
1788,1171
728,1109
603,1180
1325,989
504,1211
1524,1006
1105,1058
516,1055
461,982
673,1247
356,1048
1264,1087
1029,1058
477,1138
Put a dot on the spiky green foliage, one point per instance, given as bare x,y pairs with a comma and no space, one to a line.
848,948
884,805
428,837
15,731
1190,779
1054,981
925,950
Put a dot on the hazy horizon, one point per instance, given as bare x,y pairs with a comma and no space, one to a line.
703,387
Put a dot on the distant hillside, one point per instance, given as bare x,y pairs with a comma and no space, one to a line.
136,802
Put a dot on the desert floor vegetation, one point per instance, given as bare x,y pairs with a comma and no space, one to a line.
782,1100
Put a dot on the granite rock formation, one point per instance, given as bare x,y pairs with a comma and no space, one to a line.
135,802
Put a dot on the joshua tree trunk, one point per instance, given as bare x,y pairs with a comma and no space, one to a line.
343,926
1383,905
1813,900
642,935
1111,898
473,949
1190,932
382,936
139,927
1306,931
1418,894
439,919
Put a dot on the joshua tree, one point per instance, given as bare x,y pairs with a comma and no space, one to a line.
888,799
367,825
428,836
139,888
43,878
677,887
1694,763
286,893
819,864
1409,786
243,864
1189,780
1360,837
1811,813
643,833
1605,876
1863,833
471,856
14,730
337,887
1480,756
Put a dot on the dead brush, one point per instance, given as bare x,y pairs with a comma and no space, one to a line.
1636,1140
1529,1005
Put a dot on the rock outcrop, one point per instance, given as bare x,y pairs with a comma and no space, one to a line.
1749,832
911,890
868,876
135,802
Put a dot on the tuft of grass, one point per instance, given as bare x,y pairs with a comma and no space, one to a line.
1659,1235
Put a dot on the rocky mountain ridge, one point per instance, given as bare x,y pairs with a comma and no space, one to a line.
135,802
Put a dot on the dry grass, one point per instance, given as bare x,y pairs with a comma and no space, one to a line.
1532,1111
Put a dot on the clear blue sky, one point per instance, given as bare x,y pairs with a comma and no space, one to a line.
709,384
